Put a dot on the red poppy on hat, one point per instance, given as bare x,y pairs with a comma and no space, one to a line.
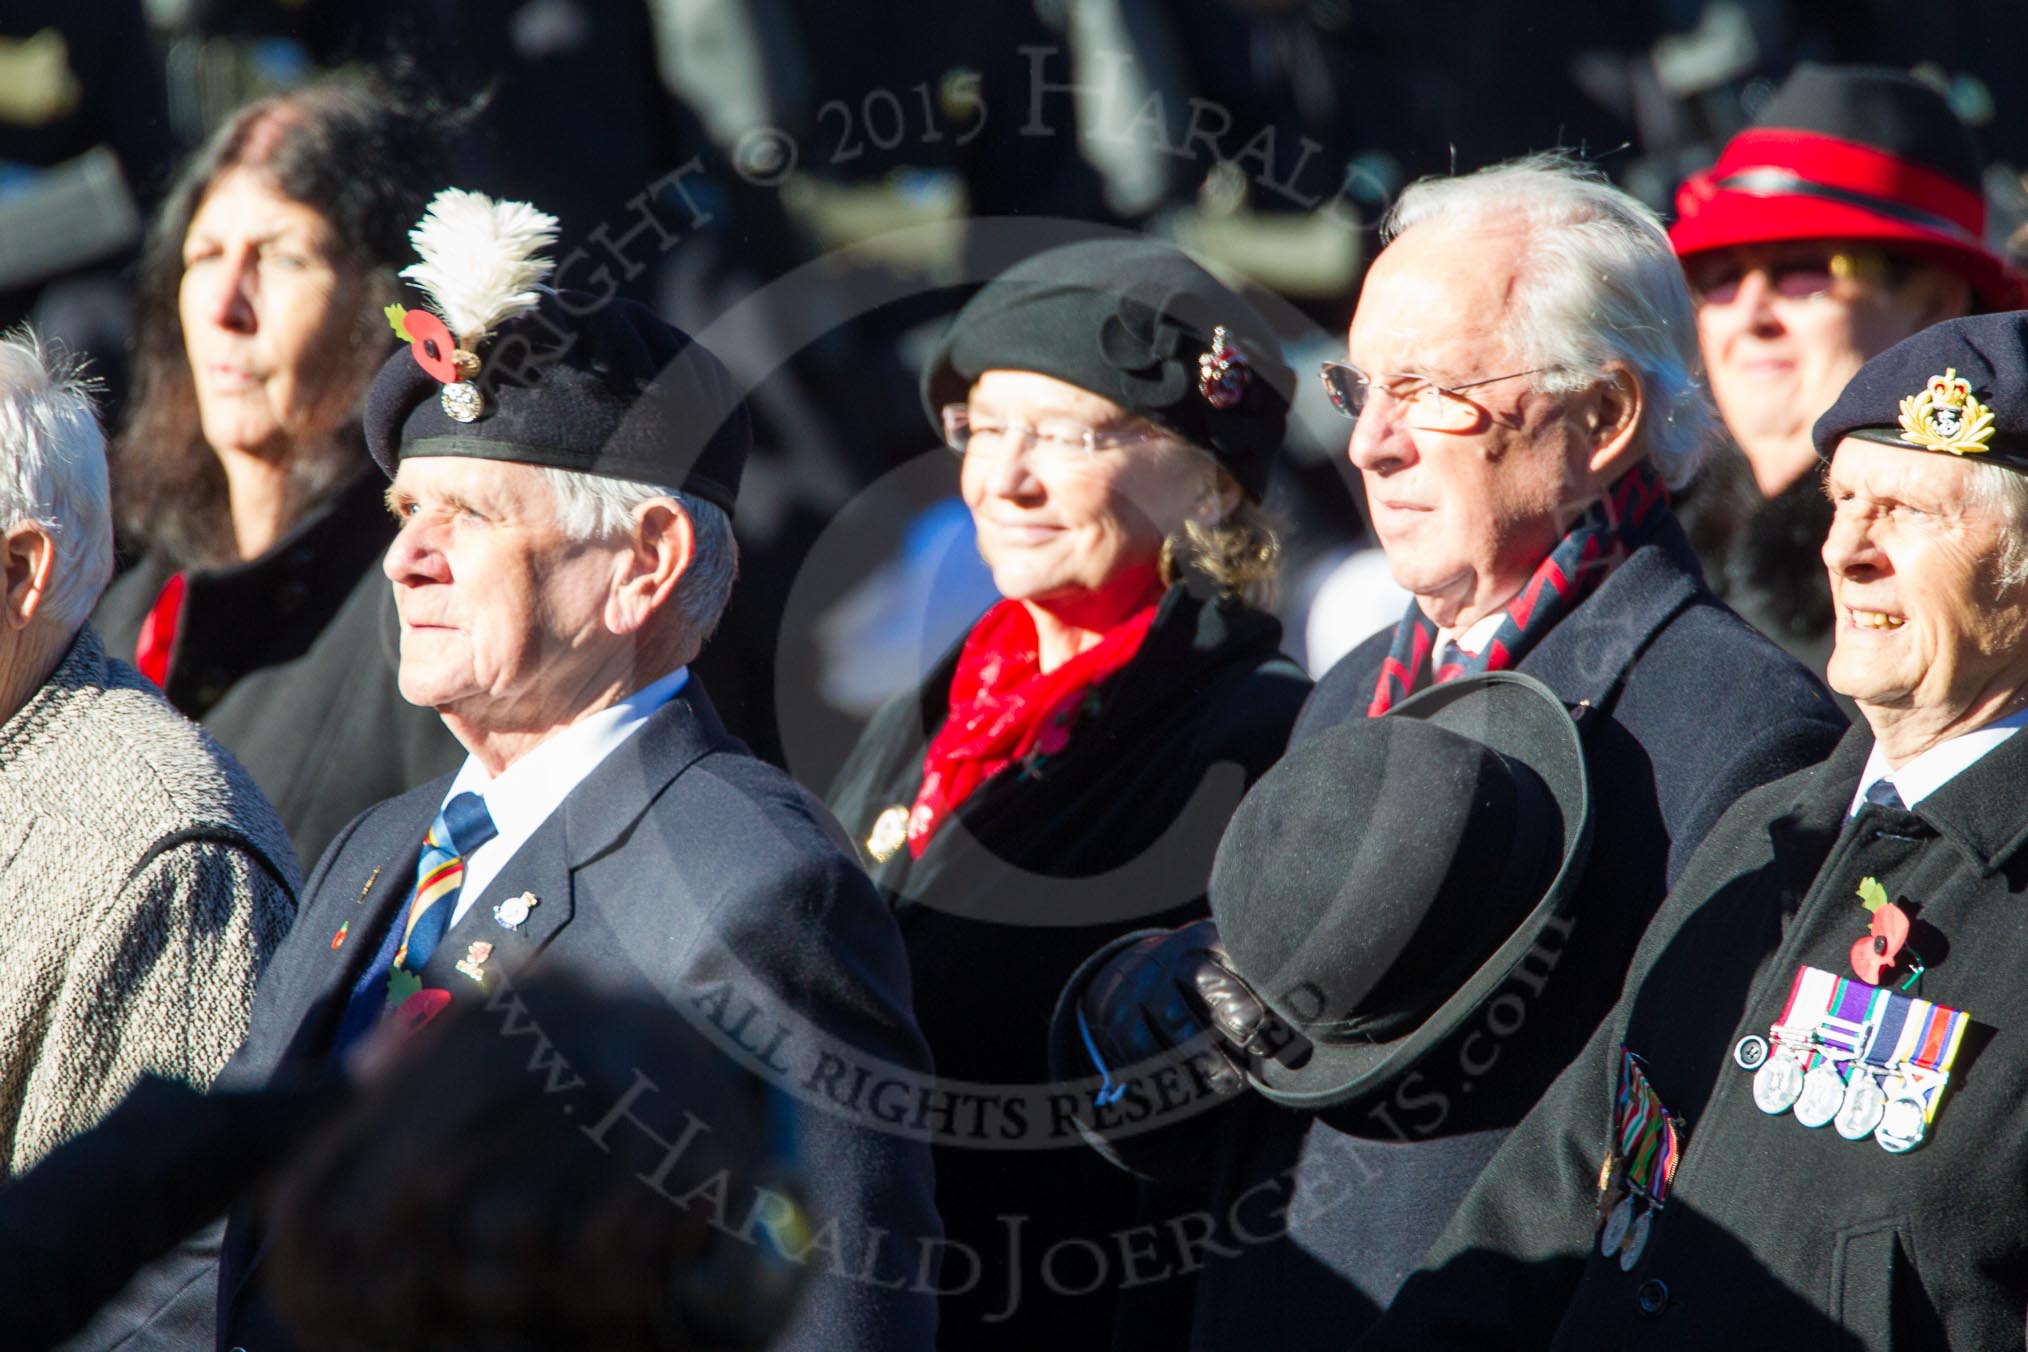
1851,154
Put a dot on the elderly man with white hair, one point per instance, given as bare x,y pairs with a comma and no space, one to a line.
1523,383
144,880
563,471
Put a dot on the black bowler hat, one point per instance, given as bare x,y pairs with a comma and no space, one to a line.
1140,324
501,367
1956,388
1386,878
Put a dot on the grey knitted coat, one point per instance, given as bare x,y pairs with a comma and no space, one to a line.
144,881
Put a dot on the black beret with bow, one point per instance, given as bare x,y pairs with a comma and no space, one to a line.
1138,323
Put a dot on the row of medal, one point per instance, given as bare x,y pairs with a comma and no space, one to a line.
1867,1060
1647,1143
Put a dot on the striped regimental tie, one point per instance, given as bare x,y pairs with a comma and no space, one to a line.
462,827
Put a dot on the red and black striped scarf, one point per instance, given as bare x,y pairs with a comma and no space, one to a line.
1603,537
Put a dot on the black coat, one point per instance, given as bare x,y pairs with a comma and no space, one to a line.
1041,865
1764,556
1683,709
1775,1235
289,660
686,865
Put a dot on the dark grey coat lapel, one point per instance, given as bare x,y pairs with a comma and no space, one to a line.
595,815
1585,657
358,885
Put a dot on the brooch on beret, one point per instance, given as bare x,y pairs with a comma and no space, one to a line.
481,265
1222,372
1945,417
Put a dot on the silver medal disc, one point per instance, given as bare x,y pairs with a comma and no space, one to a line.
1779,1081
1614,1232
1823,1095
1901,1126
1864,1105
1637,1240
462,401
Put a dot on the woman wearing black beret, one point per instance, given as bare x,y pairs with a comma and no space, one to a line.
1062,777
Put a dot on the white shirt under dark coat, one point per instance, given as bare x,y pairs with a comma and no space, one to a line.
1923,775
522,797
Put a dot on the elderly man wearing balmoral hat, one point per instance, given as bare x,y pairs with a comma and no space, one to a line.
1803,1125
563,472
1521,377
1849,217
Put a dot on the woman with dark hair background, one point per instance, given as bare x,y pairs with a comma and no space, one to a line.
259,606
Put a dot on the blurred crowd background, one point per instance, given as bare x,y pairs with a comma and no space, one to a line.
816,185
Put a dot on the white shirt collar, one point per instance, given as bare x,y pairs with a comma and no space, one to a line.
1934,768
1474,637
522,797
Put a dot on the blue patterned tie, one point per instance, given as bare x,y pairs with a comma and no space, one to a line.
460,828
1882,793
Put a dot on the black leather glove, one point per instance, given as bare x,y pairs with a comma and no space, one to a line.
1164,991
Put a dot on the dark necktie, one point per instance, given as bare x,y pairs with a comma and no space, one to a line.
1882,793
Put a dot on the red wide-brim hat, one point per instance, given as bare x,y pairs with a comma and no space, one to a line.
1774,184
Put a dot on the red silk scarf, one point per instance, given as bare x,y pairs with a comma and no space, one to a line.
1005,708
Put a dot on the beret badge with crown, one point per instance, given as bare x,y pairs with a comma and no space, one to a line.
1946,417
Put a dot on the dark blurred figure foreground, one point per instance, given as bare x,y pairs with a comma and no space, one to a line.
496,1183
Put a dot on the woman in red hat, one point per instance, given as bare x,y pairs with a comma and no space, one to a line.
1847,219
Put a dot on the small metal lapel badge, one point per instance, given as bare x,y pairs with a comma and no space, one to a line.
474,962
338,939
513,913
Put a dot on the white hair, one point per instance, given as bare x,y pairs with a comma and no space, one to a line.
593,507
2005,492
1599,283
53,470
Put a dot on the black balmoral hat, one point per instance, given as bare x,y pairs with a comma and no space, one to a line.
605,389
1956,388
501,367
1386,878
1138,323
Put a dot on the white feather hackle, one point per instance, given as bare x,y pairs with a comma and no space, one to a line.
481,260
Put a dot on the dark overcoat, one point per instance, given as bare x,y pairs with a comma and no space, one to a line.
685,866
1764,556
289,661
1316,1221
1775,1235
1042,864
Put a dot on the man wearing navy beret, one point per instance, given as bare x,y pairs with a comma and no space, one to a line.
1803,1124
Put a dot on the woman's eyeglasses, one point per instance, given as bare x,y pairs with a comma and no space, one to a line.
1065,443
